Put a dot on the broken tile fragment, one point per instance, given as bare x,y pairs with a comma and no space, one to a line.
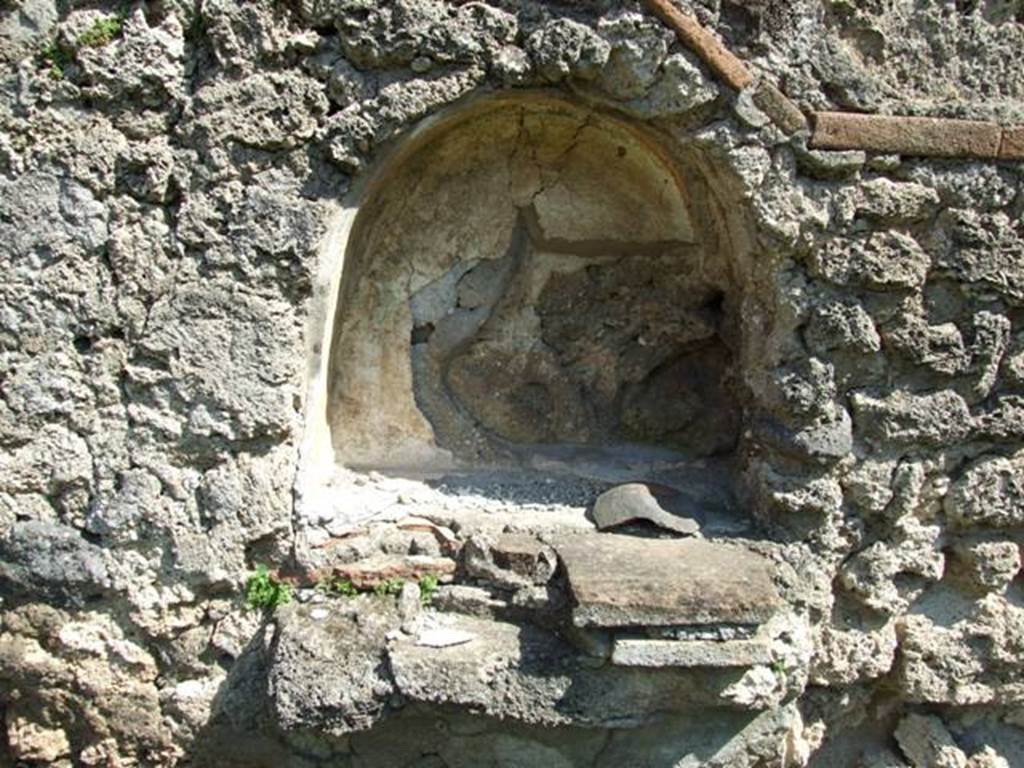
640,501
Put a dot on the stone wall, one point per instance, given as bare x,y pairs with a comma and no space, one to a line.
172,178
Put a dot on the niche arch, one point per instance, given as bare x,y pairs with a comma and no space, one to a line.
529,282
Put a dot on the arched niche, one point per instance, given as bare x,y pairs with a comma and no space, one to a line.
529,283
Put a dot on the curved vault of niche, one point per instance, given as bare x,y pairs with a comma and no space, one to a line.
534,280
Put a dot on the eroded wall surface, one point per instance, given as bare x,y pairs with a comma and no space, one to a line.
168,179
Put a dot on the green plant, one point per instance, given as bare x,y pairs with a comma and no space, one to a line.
102,31
428,588
779,669
342,587
57,58
264,590
388,587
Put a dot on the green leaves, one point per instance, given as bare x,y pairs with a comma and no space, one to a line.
102,31
428,587
264,591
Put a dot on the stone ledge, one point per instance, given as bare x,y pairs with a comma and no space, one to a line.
690,653
709,48
923,136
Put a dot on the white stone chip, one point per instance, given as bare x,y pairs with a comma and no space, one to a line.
440,637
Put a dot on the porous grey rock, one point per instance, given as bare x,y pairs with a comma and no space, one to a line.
564,48
25,28
983,252
883,262
48,560
639,45
938,665
928,744
990,492
40,642
902,418
877,575
847,655
330,675
143,63
842,326
276,110
890,202
988,565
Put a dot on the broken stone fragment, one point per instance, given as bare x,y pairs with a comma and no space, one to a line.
409,606
442,637
510,560
641,501
525,555
469,600
620,581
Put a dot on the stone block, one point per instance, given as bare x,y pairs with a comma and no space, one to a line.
924,136
621,581
690,653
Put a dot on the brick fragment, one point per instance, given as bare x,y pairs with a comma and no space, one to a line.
923,136
378,569
709,48
780,108
1013,143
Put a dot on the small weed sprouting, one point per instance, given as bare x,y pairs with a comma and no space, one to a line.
57,58
779,670
264,591
388,588
428,588
341,587
102,31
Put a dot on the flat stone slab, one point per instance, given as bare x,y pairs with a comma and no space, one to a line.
690,653
624,581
